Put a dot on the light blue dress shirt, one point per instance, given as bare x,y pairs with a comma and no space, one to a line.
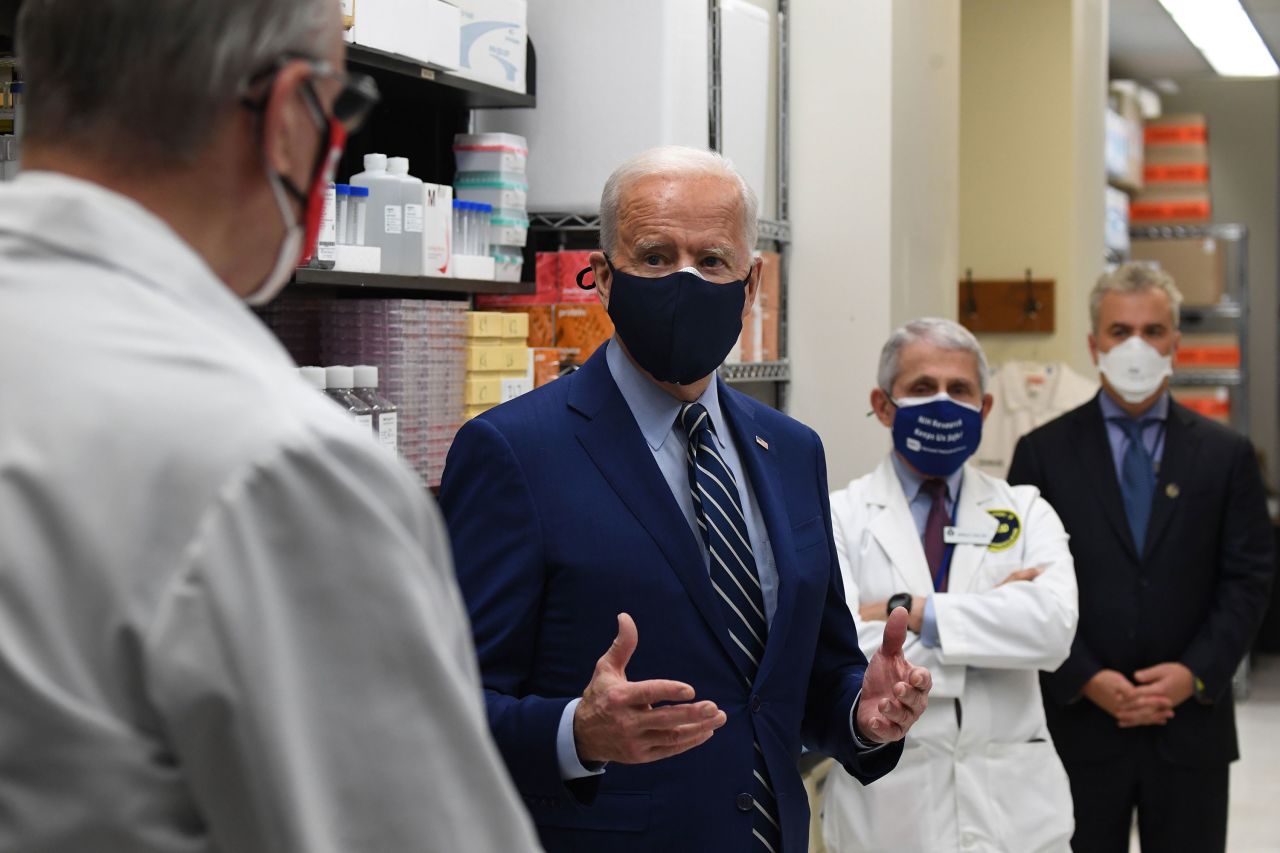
920,504
1152,433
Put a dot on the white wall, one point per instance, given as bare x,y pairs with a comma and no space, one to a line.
874,142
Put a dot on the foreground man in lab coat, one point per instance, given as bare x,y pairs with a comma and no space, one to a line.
228,620
985,571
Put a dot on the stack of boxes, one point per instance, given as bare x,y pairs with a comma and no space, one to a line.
1175,173
760,331
418,346
566,323
499,362
491,170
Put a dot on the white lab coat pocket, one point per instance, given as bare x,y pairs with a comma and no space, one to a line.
891,815
1030,797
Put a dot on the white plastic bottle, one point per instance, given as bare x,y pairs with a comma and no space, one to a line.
339,380
385,224
313,376
411,250
386,416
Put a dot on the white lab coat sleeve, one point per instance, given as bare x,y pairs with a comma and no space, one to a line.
1023,624
312,669
948,681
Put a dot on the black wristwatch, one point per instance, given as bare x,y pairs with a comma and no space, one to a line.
898,599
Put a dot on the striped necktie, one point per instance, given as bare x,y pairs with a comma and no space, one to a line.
736,581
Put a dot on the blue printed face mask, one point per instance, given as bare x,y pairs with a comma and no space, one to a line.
678,327
936,434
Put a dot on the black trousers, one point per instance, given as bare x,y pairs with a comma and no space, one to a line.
1181,809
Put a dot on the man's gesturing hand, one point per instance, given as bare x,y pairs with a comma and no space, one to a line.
616,720
894,693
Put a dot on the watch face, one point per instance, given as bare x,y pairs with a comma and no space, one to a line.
899,599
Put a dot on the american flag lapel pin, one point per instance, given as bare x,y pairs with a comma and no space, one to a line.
760,441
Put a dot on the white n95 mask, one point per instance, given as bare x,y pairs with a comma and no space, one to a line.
1135,369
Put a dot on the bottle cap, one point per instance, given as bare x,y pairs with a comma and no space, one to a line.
339,377
359,192
484,208
398,165
375,162
342,189
313,376
459,205
366,376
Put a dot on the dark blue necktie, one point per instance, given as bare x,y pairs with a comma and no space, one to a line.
736,582
1137,480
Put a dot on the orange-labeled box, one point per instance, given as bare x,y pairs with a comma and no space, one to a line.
1176,173
1170,206
572,263
546,287
546,365
1183,129
1213,403
582,328
1208,351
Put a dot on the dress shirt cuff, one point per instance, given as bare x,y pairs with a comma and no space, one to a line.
862,745
929,626
567,753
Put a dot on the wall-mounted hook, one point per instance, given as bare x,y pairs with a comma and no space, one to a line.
1032,307
970,294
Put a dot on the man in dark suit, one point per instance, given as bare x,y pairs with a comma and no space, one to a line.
643,493
1173,553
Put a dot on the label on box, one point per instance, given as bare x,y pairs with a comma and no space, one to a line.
326,251
365,422
512,388
392,219
413,218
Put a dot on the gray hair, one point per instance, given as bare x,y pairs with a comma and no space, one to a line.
945,334
1134,277
142,83
674,161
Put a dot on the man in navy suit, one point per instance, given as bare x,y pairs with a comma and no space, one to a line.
643,493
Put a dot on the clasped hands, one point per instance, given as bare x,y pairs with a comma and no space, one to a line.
1148,700
617,719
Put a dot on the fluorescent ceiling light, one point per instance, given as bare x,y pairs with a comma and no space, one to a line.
1222,31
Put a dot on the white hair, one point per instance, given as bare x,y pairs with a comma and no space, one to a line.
1134,277
944,334
673,161
142,83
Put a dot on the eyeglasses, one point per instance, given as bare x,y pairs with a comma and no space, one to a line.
355,100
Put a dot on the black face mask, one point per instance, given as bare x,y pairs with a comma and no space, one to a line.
678,327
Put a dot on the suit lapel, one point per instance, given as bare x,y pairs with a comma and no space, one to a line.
971,517
1096,460
766,483
895,530
615,444
1181,442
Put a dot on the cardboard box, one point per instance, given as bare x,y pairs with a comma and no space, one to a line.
437,230
483,390
473,411
570,264
493,42
1197,265
1176,129
1172,205
1125,102
546,365
483,358
426,31
760,330
514,387
582,328
484,324
1212,403
1208,352
515,327
540,324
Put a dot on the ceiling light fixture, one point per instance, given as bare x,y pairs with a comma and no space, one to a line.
1223,32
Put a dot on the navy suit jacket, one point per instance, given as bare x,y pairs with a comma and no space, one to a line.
561,519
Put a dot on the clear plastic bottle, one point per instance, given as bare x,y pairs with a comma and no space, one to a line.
386,207
339,382
484,212
461,214
326,243
386,415
411,250
342,214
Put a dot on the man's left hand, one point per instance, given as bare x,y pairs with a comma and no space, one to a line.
894,693
1170,680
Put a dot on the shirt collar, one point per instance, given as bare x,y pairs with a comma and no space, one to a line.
1111,410
911,480
655,410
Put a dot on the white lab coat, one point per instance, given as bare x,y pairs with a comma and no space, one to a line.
993,782
228,619
1027,394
